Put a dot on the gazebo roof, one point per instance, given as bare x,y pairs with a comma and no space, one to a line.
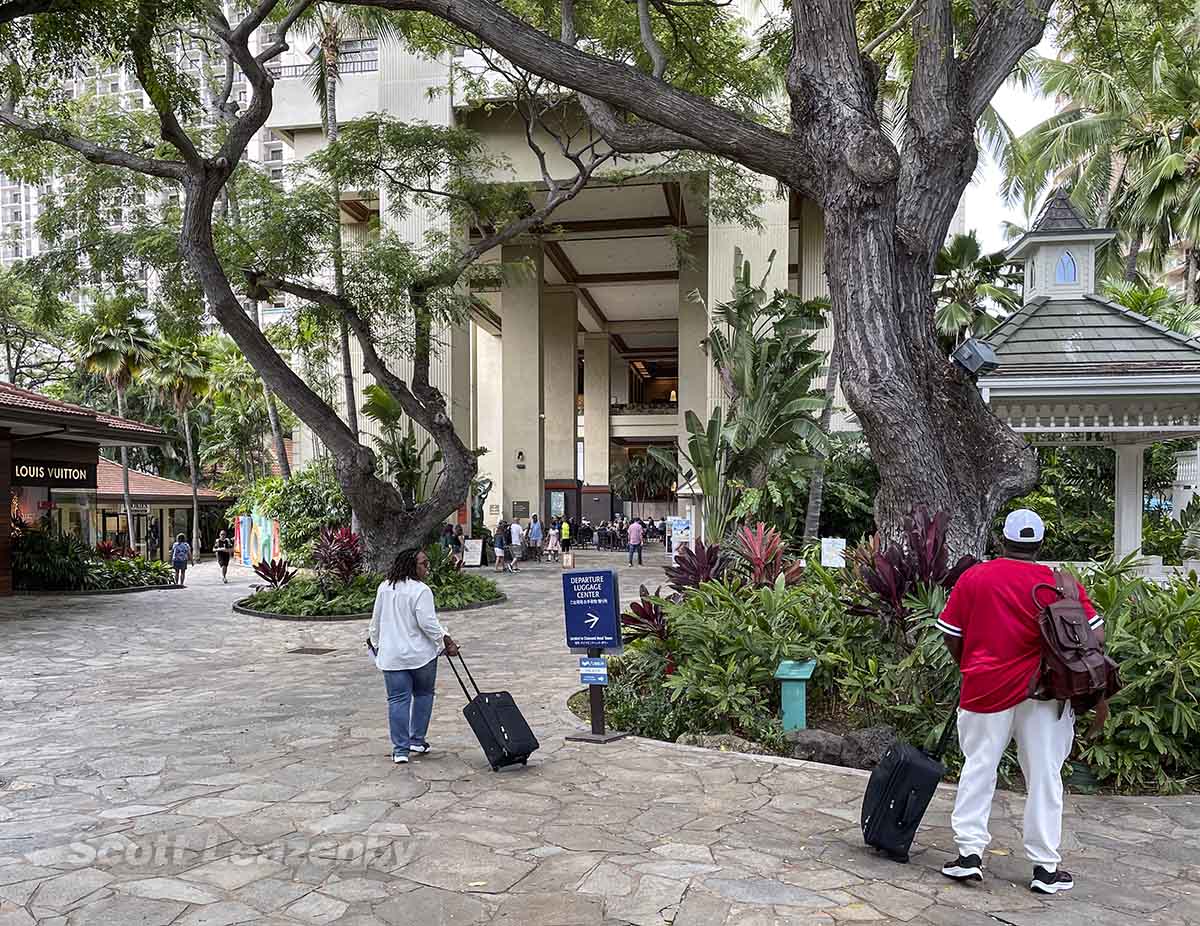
1085,370
1059,220
1088,335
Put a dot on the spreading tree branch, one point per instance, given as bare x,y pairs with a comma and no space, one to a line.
1006,30
658,57
692,117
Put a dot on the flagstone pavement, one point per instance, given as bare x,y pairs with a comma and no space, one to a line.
166,761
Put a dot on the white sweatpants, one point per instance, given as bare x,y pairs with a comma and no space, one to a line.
1043,744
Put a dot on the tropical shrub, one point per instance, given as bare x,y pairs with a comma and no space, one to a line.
762,549
303,505
646,619
339,554
695,564
106,549
1152,737
276,572
308,597
127,572
45,560
889,574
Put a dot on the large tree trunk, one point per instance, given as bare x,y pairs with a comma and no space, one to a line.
932,436
125,473
1191,290
816,485
285,466
1131,258
194,473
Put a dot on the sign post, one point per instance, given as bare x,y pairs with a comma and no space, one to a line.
592,613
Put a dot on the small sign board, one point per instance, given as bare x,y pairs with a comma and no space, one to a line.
558,504
593,671
493,509
520,510
833,552
473,551
679,531
592,610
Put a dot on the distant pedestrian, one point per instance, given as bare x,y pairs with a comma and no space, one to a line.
499,542
517,541
991,627
154,542
405,637
459,543
224,550
181,552
564,536
535,539
635,541
447,538
552,547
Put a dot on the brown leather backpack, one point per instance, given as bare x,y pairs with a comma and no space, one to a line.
1074,667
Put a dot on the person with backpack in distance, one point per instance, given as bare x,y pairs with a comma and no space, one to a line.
181,552
999,625
405,637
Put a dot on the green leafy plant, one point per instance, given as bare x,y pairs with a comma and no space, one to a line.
43,560
303,505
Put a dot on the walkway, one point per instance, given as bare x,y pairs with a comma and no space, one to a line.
164,761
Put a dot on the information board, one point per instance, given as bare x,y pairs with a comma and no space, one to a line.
520,510
593,670
833,552
592,610
473,552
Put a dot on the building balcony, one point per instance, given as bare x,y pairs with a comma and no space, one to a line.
296,109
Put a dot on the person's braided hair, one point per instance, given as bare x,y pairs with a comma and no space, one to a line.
404,567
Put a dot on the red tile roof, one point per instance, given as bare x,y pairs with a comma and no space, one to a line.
143,486
23,399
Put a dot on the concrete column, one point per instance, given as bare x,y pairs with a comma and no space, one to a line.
756,247
618,385
597,370
559,325
521,337
1129,499
489,425
693,329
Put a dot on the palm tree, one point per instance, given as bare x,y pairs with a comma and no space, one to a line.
1126,144
641,477
1158,304
332,25
180,373
816,484
114,341
972,288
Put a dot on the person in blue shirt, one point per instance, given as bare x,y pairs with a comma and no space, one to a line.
535,539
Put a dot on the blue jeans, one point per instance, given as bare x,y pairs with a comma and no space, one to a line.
410,704
635,548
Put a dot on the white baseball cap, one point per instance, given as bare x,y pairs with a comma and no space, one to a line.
1024,526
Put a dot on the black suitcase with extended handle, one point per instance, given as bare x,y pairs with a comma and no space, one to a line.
498,723
899,791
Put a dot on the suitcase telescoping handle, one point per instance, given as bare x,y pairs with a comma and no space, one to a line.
459,677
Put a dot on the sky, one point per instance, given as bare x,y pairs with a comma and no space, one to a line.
986,209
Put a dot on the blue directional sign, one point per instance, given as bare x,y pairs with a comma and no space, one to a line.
592,607
593,671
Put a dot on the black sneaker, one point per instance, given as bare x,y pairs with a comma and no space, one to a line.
1050,882
964,868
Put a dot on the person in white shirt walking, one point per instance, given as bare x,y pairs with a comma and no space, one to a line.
517,536
406,637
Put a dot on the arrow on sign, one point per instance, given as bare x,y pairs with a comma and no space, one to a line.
592,620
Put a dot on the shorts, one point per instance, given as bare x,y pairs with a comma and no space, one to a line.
222,558
180,564
566,544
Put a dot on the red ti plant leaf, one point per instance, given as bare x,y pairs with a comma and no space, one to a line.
275,572
696,564
647,619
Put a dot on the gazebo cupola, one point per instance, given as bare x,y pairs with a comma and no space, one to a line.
1076,369
1059,251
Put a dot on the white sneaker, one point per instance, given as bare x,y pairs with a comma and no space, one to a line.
420,750
399,759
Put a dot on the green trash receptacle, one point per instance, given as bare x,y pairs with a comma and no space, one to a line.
793,682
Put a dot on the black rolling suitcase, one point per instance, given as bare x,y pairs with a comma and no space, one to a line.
899,791
498,723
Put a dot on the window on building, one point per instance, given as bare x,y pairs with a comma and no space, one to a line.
275,154
277,174
1066,271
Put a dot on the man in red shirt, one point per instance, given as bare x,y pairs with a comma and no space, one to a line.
991,628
